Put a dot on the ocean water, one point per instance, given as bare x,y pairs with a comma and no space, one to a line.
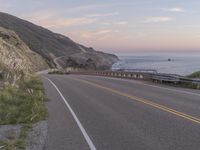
181,63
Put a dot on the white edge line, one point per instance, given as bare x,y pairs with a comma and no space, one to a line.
175,90
137,82
86,136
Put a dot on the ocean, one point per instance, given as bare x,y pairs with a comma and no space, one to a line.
180,63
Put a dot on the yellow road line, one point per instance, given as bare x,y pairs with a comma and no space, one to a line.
145,101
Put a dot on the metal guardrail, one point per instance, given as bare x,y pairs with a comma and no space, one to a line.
166,78
137,70
119,74
139,75
174,78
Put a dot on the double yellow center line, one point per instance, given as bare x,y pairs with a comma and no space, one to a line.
144,101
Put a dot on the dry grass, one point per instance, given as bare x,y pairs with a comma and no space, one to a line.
22,104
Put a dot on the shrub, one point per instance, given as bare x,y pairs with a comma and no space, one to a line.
195,75
23,104
56,72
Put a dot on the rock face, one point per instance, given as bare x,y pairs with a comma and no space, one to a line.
16,55
56,49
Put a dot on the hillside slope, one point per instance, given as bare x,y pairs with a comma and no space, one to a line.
16,55
51,45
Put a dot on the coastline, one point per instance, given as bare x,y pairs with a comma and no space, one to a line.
182,64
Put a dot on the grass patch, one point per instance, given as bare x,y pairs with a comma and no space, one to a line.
195,75
13,145
61,72
56,72
188,85
17,144
22,104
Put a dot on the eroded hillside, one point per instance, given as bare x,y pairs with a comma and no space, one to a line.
16,55
52,46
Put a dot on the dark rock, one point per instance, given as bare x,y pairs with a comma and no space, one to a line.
37,136
9,132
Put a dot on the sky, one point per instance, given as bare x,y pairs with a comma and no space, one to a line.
117,25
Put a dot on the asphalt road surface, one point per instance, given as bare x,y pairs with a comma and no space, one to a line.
89,113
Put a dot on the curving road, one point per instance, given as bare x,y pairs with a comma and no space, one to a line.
89,112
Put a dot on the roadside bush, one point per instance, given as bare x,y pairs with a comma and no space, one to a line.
189,85
23,104
195,75
58,72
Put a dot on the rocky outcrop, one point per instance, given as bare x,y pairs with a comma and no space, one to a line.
89,60
52,46
16,55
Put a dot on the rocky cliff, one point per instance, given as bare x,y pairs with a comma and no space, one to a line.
54,48
16,55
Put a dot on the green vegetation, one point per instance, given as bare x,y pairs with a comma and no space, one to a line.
22,104
88,64
192,85
57,72
195,75
17,143
189,85
11,76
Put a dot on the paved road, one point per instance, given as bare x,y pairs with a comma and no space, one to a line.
88,112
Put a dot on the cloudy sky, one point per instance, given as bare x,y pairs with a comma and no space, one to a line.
117,25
